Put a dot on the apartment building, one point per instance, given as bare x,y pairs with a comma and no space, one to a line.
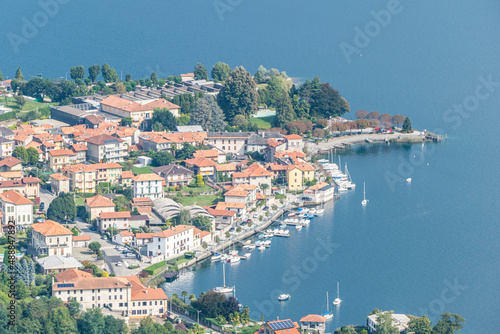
6,147
123,294
59,183
84,178
51,238
119,220
60,158
97,204
255,175
201,166
148,185
229,142
16,207
174,175
106,148
172,242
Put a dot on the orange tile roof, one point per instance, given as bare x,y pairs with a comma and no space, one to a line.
246,186
49,228
161,103
144,235
224,205
71,275
275,167
16,174
147,177
33,144
201,162
10,162
61,152
260,196
118,214
59,177
215,212
187,75
126,234
236,193
318,186
30,179
225,167
126,174
206,153
289,153
99,201
293,136
81,237
79,147
255,170
123,104
313,318
172,231
305,167
12,196
140,292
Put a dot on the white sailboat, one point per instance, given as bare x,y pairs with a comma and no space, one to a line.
224,288
328,315
337,300
365,201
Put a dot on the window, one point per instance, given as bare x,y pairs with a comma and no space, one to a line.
98,297
133,312
93,298
144,303
156,302
81,299
121,304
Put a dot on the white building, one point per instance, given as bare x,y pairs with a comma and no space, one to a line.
400,321
148,185
57,264
51,238
176,241
122,294
16,207
118,220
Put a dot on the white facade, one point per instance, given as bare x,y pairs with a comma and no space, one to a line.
172,242
152,189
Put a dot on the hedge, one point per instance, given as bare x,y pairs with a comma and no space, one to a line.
7,116
155,268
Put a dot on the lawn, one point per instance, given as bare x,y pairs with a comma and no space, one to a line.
262,123
18,245
142,170
202,189
200,200
79,201
30,105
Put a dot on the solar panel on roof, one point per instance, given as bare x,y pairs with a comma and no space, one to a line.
281,325
66,285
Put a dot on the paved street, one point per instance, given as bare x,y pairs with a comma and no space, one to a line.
46,197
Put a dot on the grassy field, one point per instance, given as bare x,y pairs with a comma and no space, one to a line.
19,239
142,170
201,200
79,201
262,123
30,105
202,189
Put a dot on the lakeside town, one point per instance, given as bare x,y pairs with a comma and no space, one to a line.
115,186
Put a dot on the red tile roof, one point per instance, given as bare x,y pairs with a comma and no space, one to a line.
81,237
313,318
12,196
119,214
201,162
99,201
59,177
293,136
10,162
57,153
49,228
79,147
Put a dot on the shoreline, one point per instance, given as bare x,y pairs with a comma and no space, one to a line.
357,139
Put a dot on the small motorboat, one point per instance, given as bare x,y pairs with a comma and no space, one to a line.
234,259
261,248
310,216
291,215
216,257
233,253
408,180
320,211
283,297
251,247
298,227
246,256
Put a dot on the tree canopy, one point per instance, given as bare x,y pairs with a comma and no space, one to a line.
200,72
77,72
207,113
220,72
94,72
62,208
163,119
239,95
108,73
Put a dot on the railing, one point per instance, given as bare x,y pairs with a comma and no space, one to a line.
193,315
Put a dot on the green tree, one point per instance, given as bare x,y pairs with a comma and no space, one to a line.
77,72
207,113
220,72
33,155
154,79
20,101
420,325
164,118
62,208
407,126
73,307
21,153
109,74
184,295
327,102
260,75
284,111
95,247
149,326
211,304
19,74
385,325
201,222
22,290
183,217
91,322
448,324
94,72
114,326
162,159
127,121
1,76
239,95
200,72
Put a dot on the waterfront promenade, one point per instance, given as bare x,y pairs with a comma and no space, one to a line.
337,142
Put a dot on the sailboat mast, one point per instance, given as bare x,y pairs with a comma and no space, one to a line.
224,273
327,303
338,292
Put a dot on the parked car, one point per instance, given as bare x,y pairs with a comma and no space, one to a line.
42,206
255,215
130,255
266,208
92,228
119,263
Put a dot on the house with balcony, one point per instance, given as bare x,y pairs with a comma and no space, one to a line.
400,321
255,175
313,324
60,158
31,186
124,294
202,166
229,142
80,151
51,238
174,175
6,147
15,207
321,192
106,148
212,154
148,185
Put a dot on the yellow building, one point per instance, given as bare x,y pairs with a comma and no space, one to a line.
308,170
294,178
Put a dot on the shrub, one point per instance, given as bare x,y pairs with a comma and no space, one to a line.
143,274
155,268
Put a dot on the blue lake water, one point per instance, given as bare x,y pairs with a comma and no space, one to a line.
413,241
